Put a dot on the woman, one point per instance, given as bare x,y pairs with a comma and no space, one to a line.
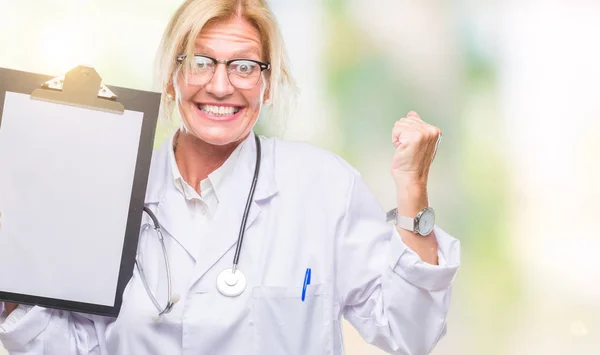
392,284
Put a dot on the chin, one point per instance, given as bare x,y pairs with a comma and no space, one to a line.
218,136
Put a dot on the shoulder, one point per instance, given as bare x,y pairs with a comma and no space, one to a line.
305,161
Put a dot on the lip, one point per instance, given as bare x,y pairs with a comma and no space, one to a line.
218,104
219,118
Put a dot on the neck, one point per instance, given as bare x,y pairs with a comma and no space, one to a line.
196,159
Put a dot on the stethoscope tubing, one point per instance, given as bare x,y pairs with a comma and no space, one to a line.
170,302
238,247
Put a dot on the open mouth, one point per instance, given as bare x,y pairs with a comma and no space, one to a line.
219,111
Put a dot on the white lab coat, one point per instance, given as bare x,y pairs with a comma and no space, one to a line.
310,210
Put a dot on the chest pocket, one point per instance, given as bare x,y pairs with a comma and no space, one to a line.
284,324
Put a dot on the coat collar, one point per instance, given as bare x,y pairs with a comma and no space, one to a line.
211,186
170,206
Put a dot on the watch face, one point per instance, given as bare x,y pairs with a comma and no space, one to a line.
427,221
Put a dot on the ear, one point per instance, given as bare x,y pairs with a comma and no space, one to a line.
169,93
170,90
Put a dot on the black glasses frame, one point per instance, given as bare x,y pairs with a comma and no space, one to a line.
262,65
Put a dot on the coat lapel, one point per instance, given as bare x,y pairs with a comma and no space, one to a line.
168,204
225,227
173,214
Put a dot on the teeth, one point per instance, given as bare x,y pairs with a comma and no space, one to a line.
219,110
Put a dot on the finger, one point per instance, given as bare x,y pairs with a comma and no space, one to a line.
419,127
10,307
396,139
397,129
402,125
413,114
431,132
396,132
401,132
412,130
410,122
405,136
416,121
400,121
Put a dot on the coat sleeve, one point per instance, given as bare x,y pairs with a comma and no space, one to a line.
37,330
395,301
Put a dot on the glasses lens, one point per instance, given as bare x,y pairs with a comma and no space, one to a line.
244,74
200,71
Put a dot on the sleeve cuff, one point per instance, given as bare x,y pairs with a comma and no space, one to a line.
407,264
22,325
10,322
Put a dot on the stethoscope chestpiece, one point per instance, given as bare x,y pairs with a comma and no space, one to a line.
231,283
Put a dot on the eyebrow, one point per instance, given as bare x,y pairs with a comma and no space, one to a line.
244,53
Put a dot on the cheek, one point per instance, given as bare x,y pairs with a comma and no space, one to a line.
186,92
183,91
255,98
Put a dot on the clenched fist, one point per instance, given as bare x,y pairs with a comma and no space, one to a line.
416,143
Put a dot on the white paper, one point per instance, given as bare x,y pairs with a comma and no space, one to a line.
66,176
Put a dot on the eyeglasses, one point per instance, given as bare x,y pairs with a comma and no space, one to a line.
242,73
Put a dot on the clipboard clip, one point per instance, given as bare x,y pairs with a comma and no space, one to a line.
81,87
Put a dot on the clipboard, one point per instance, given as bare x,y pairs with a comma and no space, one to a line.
82,104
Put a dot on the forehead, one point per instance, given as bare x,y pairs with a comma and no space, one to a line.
230,38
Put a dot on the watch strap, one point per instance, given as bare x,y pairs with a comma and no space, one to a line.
401,221
406,223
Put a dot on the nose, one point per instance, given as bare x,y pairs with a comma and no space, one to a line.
219,86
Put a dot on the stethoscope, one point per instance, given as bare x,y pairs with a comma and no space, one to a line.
231,282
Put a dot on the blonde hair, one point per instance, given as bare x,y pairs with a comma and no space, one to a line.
193,15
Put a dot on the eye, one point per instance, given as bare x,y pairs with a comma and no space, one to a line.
203,63
243,67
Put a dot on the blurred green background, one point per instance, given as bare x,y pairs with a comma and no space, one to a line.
514,86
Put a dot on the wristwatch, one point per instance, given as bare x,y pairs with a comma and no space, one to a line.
423,223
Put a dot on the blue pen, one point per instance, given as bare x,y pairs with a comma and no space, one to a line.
306,283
